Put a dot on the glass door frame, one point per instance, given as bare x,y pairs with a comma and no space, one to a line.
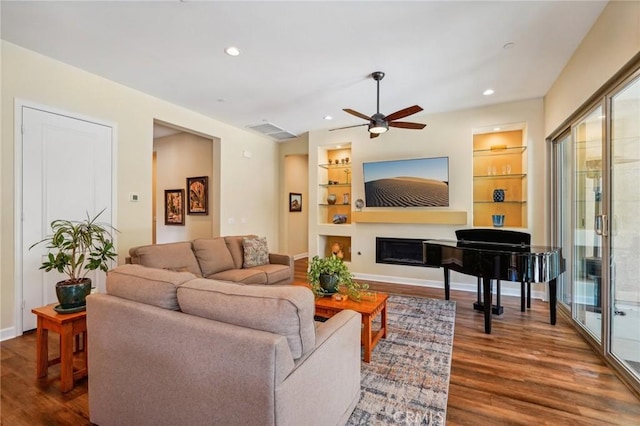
558,209
603,215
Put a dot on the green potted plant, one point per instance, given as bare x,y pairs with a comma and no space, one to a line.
327,275
75,248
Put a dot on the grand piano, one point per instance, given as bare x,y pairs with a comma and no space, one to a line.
497,261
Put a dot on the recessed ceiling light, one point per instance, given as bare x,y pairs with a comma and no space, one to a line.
328,117
338,146
488,92
232,51
495,129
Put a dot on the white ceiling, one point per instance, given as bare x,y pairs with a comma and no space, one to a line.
303,60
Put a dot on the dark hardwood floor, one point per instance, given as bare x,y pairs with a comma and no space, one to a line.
526,372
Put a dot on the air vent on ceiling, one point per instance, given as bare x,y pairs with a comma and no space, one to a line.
273,131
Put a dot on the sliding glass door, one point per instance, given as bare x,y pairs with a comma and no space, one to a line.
624,309
588,221
596,221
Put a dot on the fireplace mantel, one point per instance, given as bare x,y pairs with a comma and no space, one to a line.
439,217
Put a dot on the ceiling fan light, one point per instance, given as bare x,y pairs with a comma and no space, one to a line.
378,127
378,124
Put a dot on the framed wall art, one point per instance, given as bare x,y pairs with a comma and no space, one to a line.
174,206
295,202
198,190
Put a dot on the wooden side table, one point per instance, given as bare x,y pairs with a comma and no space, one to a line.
67,326
326,307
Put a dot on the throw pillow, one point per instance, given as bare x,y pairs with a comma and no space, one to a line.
256,252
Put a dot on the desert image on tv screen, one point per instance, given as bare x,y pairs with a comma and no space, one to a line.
422,182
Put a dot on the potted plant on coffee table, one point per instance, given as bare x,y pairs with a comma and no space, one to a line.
75,248
327,275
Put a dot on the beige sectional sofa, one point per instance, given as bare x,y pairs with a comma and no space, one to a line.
220,258
169,348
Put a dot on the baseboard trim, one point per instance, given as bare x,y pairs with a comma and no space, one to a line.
300,256
7,333
508,288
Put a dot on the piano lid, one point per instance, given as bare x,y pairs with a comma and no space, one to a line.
494,246
517,262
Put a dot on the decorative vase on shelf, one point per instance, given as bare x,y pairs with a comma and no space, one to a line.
498,195
331,199
345,198
498,220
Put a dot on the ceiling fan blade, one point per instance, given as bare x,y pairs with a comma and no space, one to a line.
357,114
407,125
348,127
403,113
373,135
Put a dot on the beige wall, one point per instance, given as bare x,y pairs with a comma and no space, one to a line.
446,135
612,41
178,157
248,186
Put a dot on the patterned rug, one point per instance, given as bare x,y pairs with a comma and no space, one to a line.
407,380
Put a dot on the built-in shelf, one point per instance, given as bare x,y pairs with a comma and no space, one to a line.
500,202
502,177
327,241
500,166
333,178
499,151
441,217
336,166
335,228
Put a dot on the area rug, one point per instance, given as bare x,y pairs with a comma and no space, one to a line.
407,380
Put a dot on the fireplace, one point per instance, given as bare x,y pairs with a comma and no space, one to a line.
399,251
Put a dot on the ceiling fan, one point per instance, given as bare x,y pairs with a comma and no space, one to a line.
379,123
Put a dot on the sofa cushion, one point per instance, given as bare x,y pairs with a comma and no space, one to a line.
173,256
213,255
284,310
152,286
243,276
234,243
256,252
275,273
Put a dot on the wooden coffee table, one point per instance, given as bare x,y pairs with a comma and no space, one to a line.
67,326
326,307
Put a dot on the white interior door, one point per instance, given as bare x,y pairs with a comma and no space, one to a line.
66,174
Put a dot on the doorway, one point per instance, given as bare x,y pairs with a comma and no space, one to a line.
180,154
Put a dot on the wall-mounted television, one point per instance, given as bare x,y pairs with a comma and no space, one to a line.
419,182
